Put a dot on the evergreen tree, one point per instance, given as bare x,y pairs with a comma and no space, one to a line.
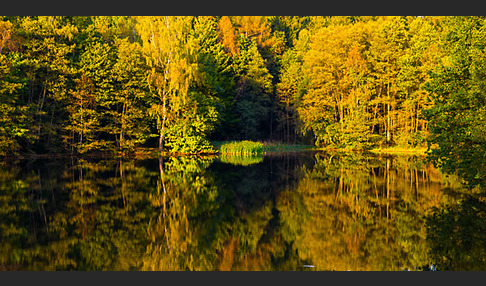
253,90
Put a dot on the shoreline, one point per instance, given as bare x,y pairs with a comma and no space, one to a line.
150,152
392,150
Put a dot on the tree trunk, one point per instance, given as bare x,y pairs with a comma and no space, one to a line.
341,117
388,123
162,184
287,108
164,117
271,120
161,143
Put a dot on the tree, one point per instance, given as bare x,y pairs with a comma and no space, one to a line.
46,45
334,106
388,44
14,123
163,44
216,78
129,123
173,60
228,36
291,87
456,120
418,60
253,88
84,120
92,97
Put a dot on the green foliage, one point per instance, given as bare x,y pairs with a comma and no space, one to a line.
128,114
363,81
241,148
14,123
289,90
456,234
84,84
252,104
457,118
215,78
188,135
43,49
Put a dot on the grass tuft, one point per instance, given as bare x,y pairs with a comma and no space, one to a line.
246,148
252,148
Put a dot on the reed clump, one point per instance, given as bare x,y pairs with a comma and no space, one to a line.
246,148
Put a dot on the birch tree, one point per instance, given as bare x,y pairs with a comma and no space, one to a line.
170,73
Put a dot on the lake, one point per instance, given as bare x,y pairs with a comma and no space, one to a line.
304,211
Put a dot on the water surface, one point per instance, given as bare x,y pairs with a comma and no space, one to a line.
287,211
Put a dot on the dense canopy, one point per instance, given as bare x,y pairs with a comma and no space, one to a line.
114,83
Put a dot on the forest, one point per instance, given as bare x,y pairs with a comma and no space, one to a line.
84,84
78,88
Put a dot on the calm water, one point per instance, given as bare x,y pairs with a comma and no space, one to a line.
303,211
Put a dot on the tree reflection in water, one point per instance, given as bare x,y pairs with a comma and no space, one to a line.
456,234
281,212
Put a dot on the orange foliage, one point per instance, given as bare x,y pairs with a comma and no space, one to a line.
228,36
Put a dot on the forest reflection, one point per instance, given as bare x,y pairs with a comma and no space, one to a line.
334,211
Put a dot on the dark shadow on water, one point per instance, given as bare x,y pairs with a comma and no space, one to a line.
456,234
